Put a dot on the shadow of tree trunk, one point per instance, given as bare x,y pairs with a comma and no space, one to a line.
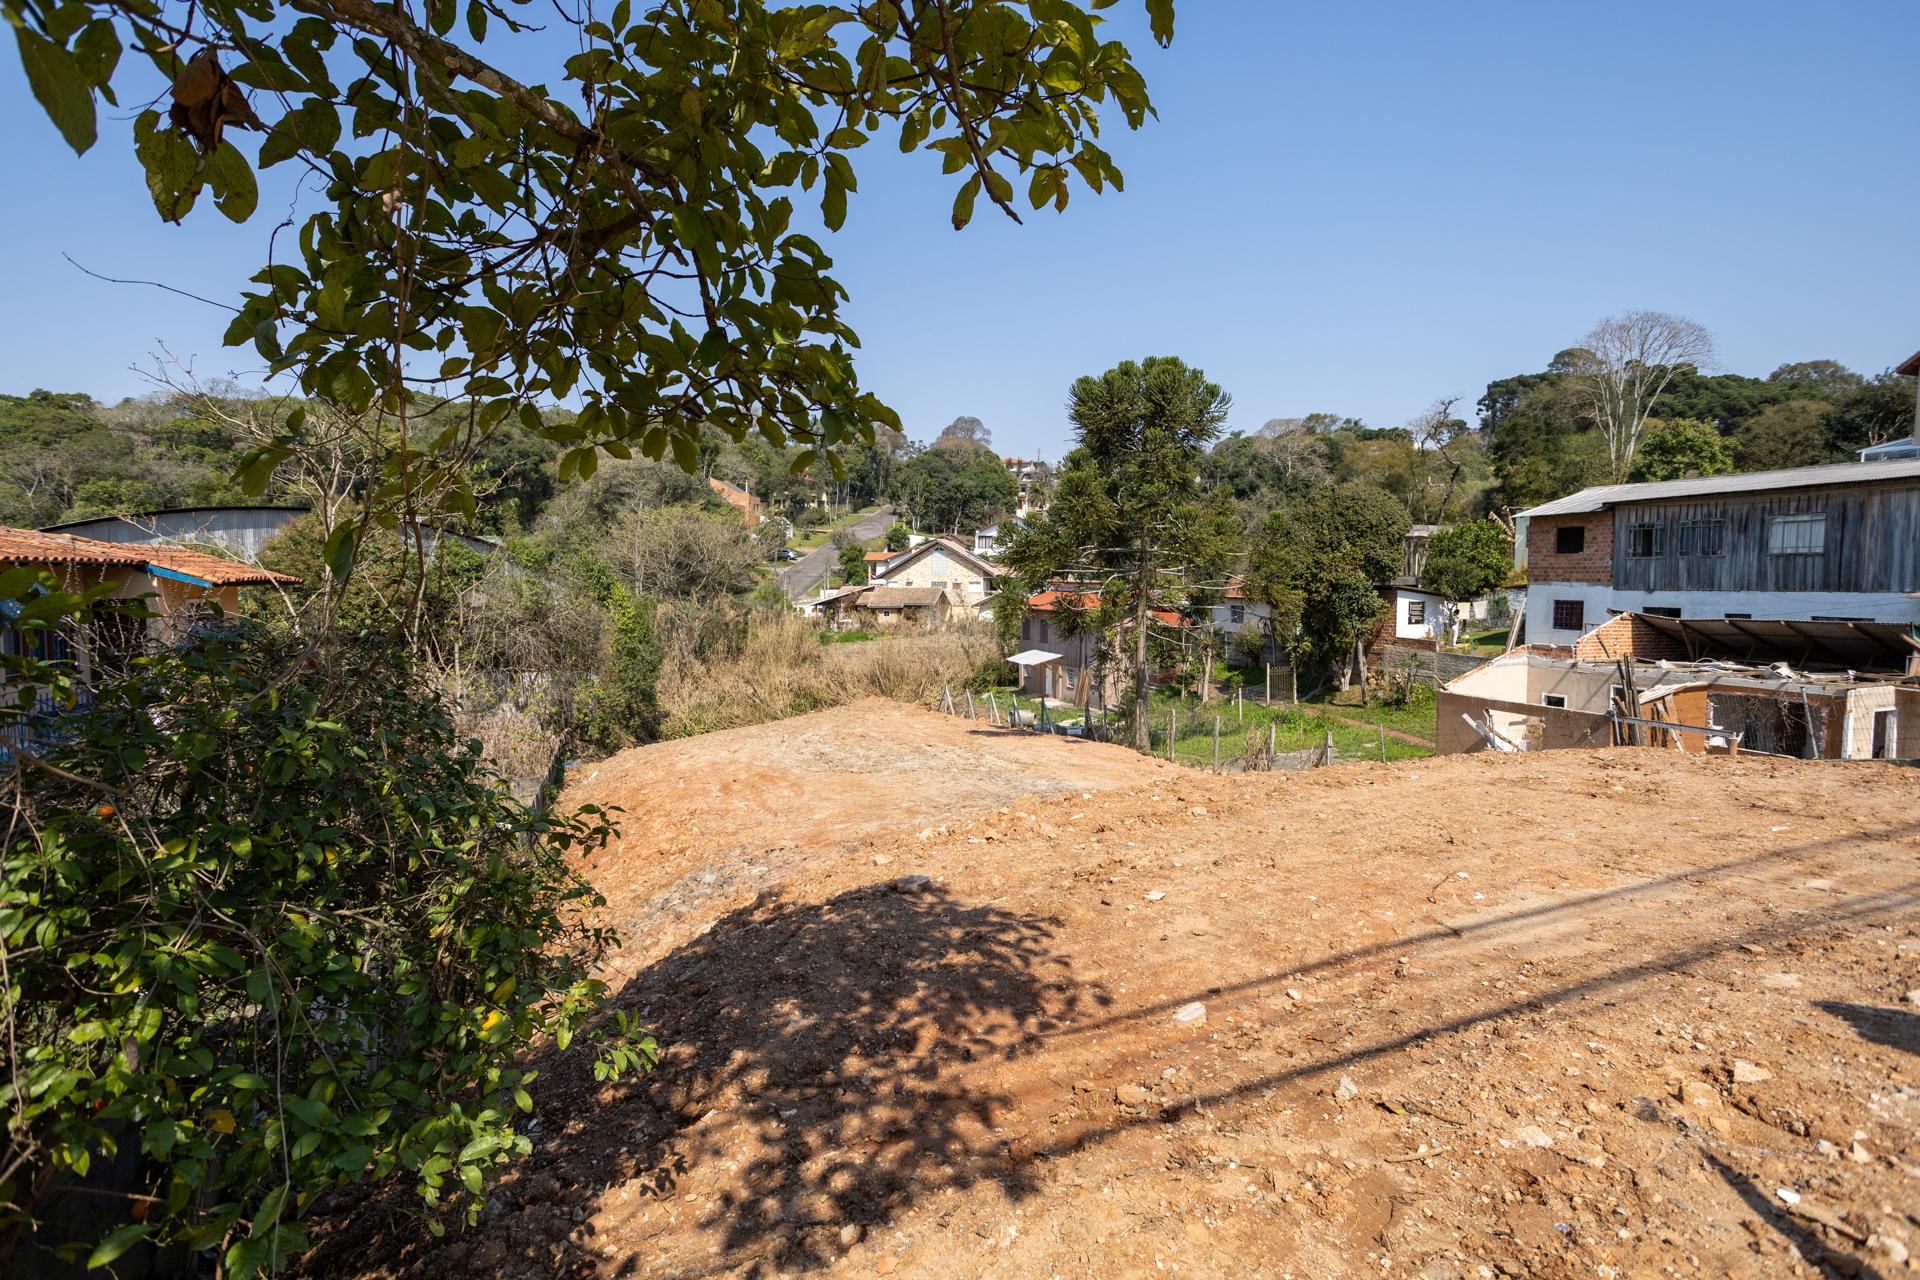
815,1047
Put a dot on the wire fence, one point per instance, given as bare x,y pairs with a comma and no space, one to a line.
1236,734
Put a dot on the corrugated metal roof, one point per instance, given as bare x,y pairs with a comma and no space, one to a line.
1610,495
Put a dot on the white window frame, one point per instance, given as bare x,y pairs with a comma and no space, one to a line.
1797,535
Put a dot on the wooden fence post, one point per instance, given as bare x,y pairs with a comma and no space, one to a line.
971,713
1216,740
1273,738
1326,751
1239,705
1173,730
1383,744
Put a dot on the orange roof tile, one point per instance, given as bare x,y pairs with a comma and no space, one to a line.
1053,599
29,546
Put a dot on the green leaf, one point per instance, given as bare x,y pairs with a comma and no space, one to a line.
233,187
1160,14
686,452
59,85
116,1244
97,51
172,165
833,203
963,203
337,553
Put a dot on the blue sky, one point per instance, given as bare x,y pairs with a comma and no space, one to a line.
1350,208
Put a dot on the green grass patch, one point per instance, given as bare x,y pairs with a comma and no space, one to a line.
1415,717
1489,643
1249,727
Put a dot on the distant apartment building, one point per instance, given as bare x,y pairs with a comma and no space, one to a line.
1032,477
739,499
1838,543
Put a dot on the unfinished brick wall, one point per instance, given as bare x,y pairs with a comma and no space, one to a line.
1592,563
1627,636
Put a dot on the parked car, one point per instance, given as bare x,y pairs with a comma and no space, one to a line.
786,555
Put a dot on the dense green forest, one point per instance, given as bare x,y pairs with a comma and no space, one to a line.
1541,445
65,456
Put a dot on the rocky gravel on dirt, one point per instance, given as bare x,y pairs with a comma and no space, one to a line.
950,1002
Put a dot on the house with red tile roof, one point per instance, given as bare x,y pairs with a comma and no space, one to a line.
1061,657
177,585
178,580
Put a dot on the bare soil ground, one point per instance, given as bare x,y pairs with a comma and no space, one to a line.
1601,1014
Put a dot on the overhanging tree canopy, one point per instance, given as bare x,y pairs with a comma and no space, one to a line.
624,239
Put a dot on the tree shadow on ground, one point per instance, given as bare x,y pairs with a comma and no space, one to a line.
813,1050
1878,1024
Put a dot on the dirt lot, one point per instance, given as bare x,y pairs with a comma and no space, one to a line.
1602,1014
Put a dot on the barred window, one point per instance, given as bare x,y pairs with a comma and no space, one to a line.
1703,537
1569,615
1646,541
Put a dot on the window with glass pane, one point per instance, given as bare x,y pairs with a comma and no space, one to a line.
1797,535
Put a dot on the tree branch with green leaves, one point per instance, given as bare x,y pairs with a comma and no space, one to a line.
623,241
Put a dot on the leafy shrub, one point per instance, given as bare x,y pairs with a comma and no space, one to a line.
1401,689
269,922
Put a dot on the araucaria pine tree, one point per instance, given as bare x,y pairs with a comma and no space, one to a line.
1128,514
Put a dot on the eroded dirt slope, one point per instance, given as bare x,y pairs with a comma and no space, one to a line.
1576,1014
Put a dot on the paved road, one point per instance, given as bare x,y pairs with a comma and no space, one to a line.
810,570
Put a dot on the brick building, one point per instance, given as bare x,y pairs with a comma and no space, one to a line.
1837,543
